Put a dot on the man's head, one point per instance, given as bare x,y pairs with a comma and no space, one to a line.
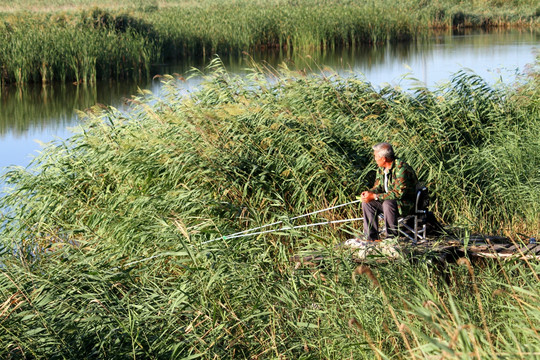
384,154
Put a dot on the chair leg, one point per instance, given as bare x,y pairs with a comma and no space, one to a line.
415,229
418,230
401,225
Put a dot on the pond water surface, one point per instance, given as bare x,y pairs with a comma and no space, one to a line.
37,114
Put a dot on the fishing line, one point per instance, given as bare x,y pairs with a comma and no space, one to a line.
293,218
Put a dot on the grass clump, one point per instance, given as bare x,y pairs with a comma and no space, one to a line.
106,250
44,49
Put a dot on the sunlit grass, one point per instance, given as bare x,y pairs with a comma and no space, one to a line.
68,5
103,237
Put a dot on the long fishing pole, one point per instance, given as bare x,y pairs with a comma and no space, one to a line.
293,218
282,229
250,232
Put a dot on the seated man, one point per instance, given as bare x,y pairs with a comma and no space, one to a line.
393,194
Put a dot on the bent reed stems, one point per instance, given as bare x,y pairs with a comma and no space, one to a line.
240,152
85,43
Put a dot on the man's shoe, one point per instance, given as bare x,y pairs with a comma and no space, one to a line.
360,243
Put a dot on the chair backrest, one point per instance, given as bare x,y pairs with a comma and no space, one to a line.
422,199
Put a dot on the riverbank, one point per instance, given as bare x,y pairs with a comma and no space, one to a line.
83,44
112,227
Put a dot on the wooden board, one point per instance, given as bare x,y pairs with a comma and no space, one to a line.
445,251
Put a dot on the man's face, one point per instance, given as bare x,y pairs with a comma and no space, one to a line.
380,160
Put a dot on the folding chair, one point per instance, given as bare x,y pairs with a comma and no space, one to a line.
418,230
414,226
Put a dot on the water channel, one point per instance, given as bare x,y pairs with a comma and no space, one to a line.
37,114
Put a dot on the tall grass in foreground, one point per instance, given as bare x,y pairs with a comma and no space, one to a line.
104,252
245,299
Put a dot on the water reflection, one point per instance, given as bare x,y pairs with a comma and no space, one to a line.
36,108
45,112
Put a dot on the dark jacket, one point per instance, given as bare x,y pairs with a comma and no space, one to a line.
402,182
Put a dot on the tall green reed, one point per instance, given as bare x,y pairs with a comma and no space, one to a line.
303,143
103,236
245,300
43,50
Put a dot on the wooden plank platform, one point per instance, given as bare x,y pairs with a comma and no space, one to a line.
486,247
448,250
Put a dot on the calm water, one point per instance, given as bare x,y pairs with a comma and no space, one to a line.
35,115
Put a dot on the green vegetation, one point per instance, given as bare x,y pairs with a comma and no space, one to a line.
62,42
36,49
104,237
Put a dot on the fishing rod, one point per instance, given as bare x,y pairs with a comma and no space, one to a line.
249,232
293,218
283,228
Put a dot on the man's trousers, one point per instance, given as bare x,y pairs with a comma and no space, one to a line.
371,211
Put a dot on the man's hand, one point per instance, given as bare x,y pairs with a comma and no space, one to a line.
367,196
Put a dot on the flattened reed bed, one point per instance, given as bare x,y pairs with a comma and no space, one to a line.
155,183
80,46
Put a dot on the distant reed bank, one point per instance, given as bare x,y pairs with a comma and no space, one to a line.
82,43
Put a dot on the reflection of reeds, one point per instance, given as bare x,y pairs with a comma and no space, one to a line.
91,44
103,238
35,107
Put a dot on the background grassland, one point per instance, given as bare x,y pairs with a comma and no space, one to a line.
85,42
104,239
